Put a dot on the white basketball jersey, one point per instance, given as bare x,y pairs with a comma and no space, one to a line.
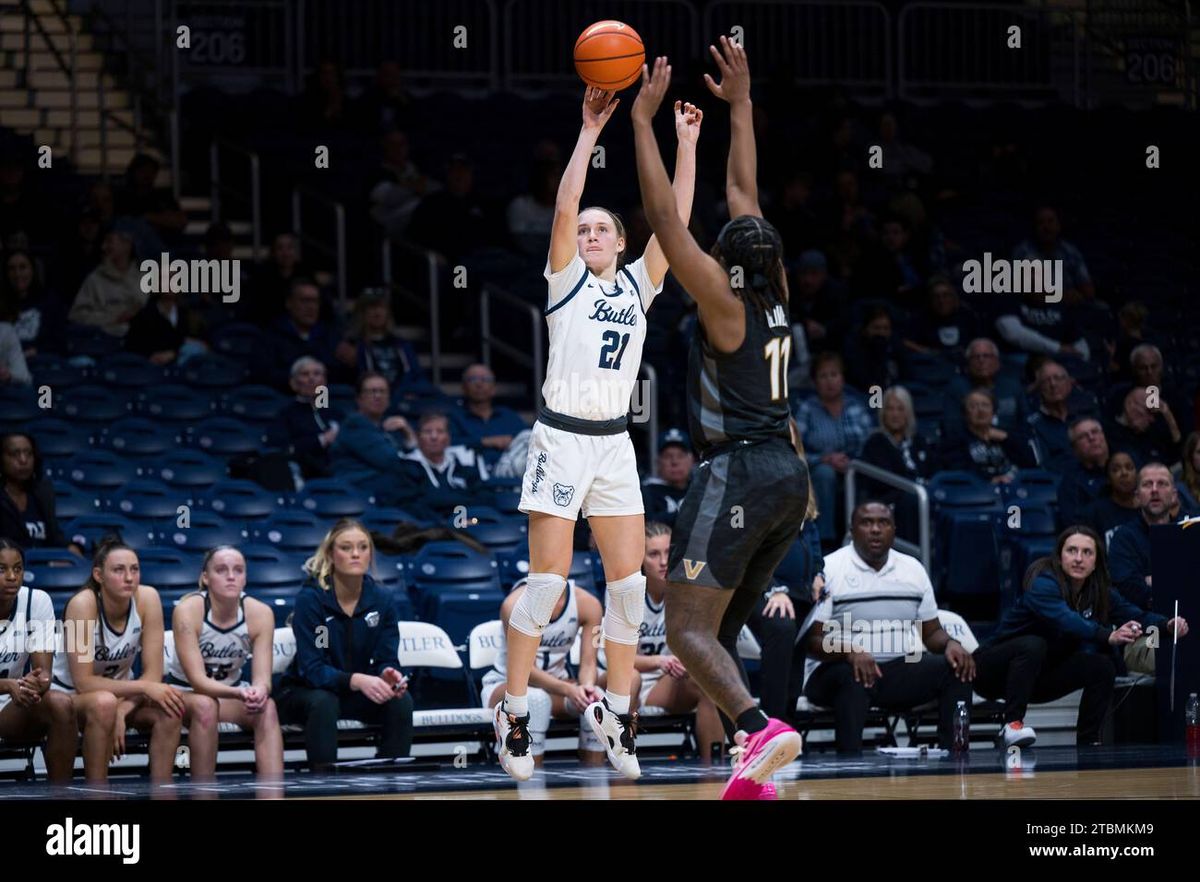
29,628
557,640
225,650
652,638
115,651
597,330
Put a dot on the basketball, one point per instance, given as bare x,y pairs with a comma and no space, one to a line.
609,55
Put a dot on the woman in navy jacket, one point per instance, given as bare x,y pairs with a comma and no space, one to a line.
347,641
1059,637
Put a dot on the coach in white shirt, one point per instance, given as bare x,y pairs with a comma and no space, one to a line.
863,644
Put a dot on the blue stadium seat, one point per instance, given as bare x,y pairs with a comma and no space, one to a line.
212,372
56,571
281,599
392,570
55,372
962,490
90,341
507,500
1032,487
19,405
223,436
137,436
93,405
129,371
972,560
442,565
191,469
174,578
89,529
236,340
583,571
145,499
513,564
96,470
254,404
500,533
239,500
205,529
457,611
384,520
159,554
331,498
269,566
71,502
291,530
175,404
58,439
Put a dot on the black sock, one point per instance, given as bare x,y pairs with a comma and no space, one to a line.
751,721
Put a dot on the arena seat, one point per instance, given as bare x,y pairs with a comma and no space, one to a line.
236,341
224,436
96,406
71,502
91,528
204,530
57,440
331,498
239,500
254,404
144,499
126,370
211,371
193,470
499,532
174,403
96,470
290,530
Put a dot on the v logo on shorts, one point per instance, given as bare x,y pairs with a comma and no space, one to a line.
692,568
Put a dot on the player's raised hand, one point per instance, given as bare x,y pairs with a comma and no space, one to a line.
654,88
598,106
735,72
687,122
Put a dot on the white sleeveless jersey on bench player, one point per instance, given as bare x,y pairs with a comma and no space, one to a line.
29,628
115,652
554,650
225,651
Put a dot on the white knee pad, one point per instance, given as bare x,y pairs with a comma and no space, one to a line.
625,609
539,720
535,606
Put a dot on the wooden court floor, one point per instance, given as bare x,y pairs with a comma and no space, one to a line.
1154,783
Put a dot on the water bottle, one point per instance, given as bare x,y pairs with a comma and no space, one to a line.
1192,716
962,729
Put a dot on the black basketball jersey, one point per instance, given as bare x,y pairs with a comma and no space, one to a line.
742,396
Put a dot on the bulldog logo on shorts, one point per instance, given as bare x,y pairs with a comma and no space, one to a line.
563,494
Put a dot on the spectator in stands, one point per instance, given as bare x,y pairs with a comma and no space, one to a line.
777,617
347,642
531,214
13,369
140,198
903,163
1059,637
478,422
219,630
385,105
1146,367
945,326
907,268
324,100
834,427
272,282
982,449
665,681
1131,320
368,450
372,344
451,220
663,494
1188,480
896,447
27,506
1146,428
863,637
872,354
1033,325
79,254
1047,244
112,293
818,301
298,332
165,330
1117,503
397,185
37,314
308,423
983,372
126,618
209,307
1084,477
1058,407
29,709
448,474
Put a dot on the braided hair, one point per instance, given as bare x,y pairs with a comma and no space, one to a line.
755,246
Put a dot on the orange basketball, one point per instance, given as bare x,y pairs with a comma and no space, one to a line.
609,55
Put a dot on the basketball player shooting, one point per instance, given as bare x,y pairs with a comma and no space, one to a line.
746,504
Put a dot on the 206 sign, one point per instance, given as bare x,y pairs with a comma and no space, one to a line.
1151,61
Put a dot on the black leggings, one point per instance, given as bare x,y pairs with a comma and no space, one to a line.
782,661
1024,670
318,710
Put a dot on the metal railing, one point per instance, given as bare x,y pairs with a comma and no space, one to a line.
974,59
922,549
535,360
432,267
817,43
219,187
422,37
336,249
541,55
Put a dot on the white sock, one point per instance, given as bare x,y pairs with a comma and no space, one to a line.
517,705
618,704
